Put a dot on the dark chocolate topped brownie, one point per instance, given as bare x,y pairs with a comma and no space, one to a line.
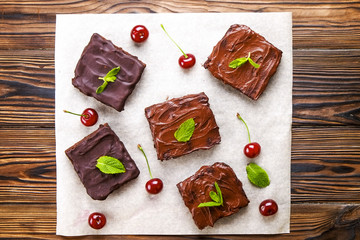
195,190
238,42
84,155
97,59
165,118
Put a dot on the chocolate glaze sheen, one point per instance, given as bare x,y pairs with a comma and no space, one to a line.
84,155
165,118
196,189
238,42
97,59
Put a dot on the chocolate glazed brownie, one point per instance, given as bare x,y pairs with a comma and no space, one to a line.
195,190
97,59
84,155
238,42
165,118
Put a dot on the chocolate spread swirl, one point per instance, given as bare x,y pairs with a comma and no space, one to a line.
195,190
238,42
165,118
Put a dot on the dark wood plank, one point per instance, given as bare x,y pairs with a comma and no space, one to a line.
27,166
325,165
326,87
27,88
316,24
313,221
326,120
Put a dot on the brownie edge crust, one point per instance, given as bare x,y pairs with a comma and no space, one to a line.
238,42
195,190
84,155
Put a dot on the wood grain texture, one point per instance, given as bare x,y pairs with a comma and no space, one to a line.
27,88
311,222
325,165
316,24
326,87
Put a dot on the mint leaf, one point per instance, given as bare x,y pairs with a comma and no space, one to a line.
216,197
185,131
209,204
219,193
110,77
102,87
113,72
257,175
255,65
110,165
240,61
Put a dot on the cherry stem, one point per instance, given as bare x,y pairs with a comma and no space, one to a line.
162,26
147,162
81,115
239,117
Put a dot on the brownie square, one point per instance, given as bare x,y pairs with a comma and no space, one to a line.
165,118
97,59
84,155
238,42
195,190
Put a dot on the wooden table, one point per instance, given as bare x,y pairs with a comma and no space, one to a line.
325,167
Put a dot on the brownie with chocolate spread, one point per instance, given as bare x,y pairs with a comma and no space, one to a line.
165,118
98,58
84,155
238,42
195,190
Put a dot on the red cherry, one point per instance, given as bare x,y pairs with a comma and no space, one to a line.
252,150
139,33
154,186
268,207
97,220
88,117
187,62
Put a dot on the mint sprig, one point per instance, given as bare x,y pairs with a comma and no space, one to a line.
257,175
110,165
240,61
185,131
109,77
216,197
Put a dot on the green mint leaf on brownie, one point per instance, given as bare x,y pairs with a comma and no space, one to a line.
215,196
209,204
257,175
240,61
255,65
110,165
109,77
185,131
102,87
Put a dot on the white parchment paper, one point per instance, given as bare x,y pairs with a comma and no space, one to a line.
131,210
